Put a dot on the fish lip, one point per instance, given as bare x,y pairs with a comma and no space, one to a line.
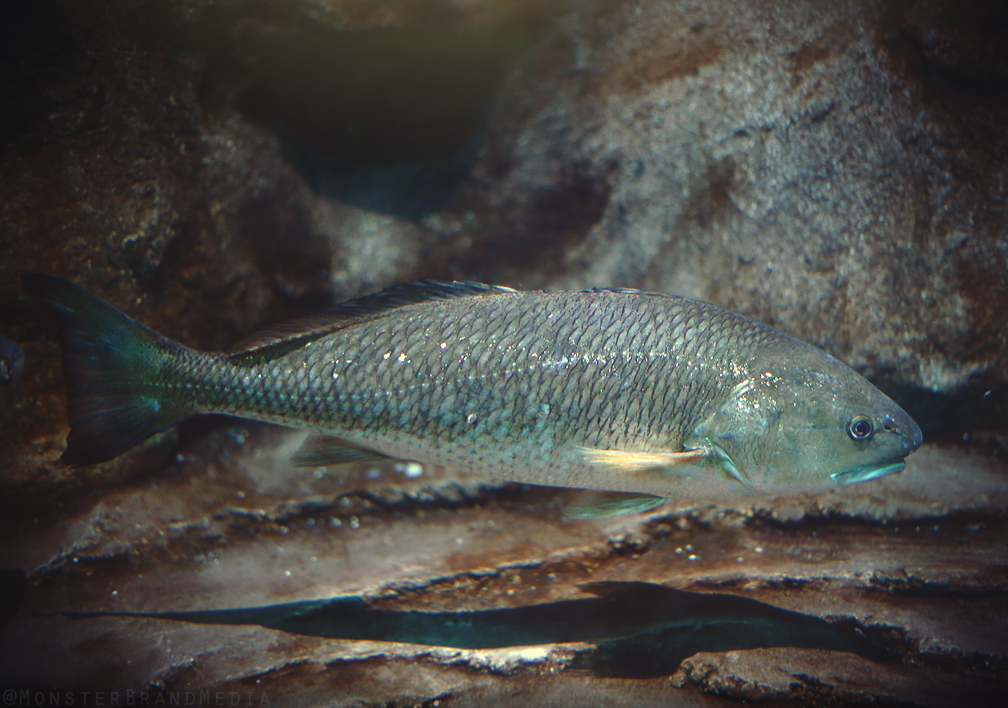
868,472
918,438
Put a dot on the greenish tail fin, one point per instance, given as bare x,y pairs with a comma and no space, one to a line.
107,359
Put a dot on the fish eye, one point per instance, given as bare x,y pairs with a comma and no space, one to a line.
5,369
860,427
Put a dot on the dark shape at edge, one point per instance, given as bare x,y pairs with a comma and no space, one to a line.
12,585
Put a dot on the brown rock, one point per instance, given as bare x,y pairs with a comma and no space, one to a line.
181,212
233,525
835,169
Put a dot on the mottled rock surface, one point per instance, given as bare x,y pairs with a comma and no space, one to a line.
128,167
916,562
837,169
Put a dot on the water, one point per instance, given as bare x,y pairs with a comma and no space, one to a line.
836,174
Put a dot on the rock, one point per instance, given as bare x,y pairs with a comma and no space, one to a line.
233,525
179,211
835,169
679,149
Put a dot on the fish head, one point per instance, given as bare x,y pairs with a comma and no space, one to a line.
11,367
800,420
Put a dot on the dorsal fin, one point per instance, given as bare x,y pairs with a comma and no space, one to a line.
619,291
277,340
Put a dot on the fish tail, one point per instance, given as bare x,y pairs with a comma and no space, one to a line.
109,362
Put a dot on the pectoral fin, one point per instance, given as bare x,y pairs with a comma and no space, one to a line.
728,466
633,462
597,505
322,450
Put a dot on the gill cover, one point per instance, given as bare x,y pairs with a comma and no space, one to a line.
803,421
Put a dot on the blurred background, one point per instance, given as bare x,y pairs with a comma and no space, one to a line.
837,169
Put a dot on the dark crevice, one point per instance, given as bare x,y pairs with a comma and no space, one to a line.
389,120
40,63
955,50
980,79
537,239
979,405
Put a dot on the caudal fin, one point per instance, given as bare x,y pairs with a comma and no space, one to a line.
109,361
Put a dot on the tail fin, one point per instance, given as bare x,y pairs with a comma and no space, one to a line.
109,361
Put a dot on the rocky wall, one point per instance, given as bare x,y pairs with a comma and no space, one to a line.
837,169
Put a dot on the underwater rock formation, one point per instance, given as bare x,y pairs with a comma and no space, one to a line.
127,168
836,169
915,565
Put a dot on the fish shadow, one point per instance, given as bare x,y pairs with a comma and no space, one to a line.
638,630
715,622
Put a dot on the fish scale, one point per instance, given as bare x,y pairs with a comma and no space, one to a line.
485,372
615,390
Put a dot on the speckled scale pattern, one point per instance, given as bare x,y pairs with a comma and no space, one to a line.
502,379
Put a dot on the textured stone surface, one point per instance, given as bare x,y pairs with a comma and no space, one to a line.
834,168
234,526
171,205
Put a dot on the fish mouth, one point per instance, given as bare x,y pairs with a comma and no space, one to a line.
863,474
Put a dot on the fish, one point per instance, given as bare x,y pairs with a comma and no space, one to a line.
11,368
638,397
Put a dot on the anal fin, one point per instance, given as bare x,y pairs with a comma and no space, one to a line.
598,505
321,450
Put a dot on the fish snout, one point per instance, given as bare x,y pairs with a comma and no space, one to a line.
914,440
907,430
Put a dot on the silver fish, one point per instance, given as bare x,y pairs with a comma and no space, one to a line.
615,390
11,367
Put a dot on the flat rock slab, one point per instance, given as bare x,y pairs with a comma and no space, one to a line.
915,562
